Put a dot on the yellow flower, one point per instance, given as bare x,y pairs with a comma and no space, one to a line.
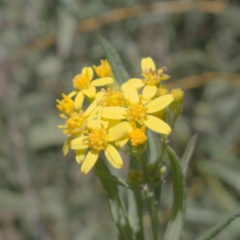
178,95
104,69
137,112
85,86
177,105
112,97
66,105
137,135
76,124
98,139
151,78
162,90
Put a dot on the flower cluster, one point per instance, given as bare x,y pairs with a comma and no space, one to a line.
106,119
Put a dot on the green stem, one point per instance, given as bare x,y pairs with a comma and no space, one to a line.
174,119
158,164
150,199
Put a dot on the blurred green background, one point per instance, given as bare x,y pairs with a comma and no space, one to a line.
44,44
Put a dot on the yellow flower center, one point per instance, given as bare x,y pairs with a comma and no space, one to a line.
97,139
178,94
150,77
136,112
153,77
82,81
162,90
113,98
138,136
104,69
66,105
75,124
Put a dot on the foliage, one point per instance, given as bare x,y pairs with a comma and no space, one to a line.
44,44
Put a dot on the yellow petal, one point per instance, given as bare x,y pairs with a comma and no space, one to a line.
95,113
66,146
130,93
92,123
147,63
111,122
78,101
113,156
113,112
79,143
157,125
90,108
149,92
99,95
122,141
88,71
90,92
80,154
135,82
72,94
159,103
89,161
102,81
118,131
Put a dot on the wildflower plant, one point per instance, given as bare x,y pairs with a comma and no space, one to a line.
113,112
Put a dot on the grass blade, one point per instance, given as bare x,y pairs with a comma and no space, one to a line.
219,226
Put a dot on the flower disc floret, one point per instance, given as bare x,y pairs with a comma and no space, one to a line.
162,90
138,136
75,124
104,69
178,94
112,97
136,112
66,105
82,81
97,139
150,77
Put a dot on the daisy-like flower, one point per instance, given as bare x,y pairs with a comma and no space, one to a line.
151,77
104,69
76,124
98,139
139,113
66,105
85,86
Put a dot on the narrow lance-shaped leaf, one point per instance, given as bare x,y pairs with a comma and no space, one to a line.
175,225
219,226
115,203
114,60
188,153
113,179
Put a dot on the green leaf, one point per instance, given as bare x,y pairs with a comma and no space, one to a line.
114,179
115,203
135,206
175,225
219,226
115,61
188,153
153,149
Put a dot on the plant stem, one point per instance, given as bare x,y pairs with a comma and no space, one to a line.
149,195
159,160
174,119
